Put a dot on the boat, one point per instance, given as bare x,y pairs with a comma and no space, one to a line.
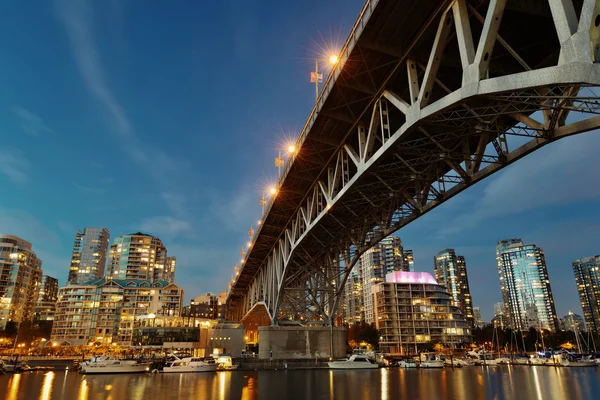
457,362
225,363
110,365
356,361
13,366
502,360
482,358
570,361
430,360
191,364
407,364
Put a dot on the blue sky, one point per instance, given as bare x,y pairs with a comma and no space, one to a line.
149,116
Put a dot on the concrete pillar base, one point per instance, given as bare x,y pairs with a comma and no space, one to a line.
300,342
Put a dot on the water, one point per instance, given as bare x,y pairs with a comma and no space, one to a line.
506,382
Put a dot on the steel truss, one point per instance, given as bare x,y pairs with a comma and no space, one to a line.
410,152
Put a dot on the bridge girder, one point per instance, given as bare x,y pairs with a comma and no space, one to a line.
446,105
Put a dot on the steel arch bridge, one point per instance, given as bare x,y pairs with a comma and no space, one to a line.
429,98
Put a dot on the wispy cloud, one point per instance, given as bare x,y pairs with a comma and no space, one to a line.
77,19
13,164
88,189
66,227
522,187
31,123
166,226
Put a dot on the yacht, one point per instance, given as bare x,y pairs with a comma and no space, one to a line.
225,363
430,360
110,365
482,358
570,361
191,364
407,364
457,362
356,361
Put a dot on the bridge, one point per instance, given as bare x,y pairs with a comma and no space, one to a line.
429,98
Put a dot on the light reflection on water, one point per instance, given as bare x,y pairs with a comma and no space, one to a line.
474,382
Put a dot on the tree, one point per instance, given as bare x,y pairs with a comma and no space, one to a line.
363,332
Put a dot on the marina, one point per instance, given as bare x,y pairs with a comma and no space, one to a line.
499,382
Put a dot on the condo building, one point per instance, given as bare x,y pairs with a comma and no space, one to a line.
20,279
587,278
451,271
412,311
525,286
88,259
107,310
140,256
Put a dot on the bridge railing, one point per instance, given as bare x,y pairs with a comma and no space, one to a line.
344,54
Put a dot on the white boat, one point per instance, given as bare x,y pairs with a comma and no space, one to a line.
502,360
225,363
457,362
482,358
569,361
429,360
407,364
191,364
110,365
356,361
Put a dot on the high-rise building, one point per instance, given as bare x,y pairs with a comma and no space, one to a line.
451,272
587,277
525,285
46,302
477,320
572,322
89,255
412,311
381,259
354,307
140,256
107,310
20,279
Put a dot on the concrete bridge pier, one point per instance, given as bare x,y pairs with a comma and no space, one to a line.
301,342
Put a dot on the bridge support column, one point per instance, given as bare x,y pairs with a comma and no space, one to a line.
301,342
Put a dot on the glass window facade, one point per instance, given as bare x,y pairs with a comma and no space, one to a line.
587,278
525,285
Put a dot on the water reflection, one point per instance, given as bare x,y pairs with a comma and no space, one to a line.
474,382
13,387
47,387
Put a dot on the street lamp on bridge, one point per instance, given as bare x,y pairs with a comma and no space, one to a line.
316,77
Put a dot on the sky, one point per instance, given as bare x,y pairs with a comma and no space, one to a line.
165,117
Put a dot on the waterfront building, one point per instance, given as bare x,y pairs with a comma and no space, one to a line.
208,305
107,310
450,271
525,286
412,312
46,302
386,256
20,279
88,259
572,322
140,256
587,278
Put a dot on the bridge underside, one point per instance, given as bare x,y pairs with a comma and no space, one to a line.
431,98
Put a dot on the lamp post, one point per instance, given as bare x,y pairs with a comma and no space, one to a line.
316,77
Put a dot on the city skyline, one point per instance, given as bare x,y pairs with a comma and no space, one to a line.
169,145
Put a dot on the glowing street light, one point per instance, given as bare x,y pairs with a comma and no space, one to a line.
273,191
316,77
279,161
